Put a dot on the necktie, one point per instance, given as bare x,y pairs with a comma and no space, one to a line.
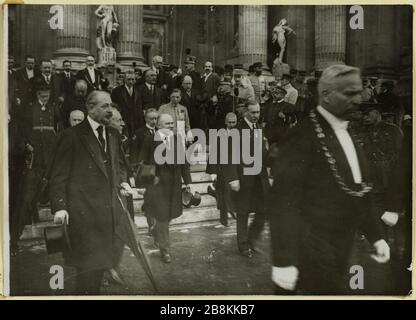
151,89
47,80
100,131
167,142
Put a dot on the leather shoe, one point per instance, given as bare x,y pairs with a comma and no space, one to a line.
166,258
247,253
114,277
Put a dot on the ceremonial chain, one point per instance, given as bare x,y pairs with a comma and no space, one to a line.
365,187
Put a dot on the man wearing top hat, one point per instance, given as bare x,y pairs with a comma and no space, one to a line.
321,194
164,197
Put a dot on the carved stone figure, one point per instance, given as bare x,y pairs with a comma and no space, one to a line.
108,26
280,31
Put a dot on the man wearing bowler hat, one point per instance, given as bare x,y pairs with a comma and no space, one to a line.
87,173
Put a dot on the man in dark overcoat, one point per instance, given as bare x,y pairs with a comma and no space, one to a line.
164,197
216,171
87,172
321,194
250,187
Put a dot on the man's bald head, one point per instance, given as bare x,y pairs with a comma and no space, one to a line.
75,117
165,122
230,120
80,88
187,82
99,106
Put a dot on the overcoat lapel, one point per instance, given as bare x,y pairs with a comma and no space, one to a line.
93,146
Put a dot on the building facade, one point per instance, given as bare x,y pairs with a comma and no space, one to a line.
226,34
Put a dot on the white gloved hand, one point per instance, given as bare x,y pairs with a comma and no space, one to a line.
285,277
382,254
213,176
235,185
126,190
390,218
60,217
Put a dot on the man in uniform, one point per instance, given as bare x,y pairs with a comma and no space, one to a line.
41,123
279,115
258,82
243,91
381,141
189,69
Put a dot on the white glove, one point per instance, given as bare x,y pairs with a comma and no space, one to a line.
60,217
213,176
390,218
235,185
285,277
382,254
126,189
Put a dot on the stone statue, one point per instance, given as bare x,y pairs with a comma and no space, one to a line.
279,35
108,25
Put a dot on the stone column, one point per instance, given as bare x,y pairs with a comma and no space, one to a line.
252,34
330,35
130,39
73,42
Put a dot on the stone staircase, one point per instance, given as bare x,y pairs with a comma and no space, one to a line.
206,211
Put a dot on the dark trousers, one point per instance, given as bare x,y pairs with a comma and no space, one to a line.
88,282
324,262
162,235
245,234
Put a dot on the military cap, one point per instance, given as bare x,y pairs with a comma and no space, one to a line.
190,59
370,106
279,88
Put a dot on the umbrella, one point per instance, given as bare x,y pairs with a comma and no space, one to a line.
126,232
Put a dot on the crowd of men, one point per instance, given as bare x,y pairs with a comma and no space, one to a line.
78,143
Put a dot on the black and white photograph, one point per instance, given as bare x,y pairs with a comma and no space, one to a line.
207,150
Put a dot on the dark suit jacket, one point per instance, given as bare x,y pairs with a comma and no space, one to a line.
192,103
147,100
54,85
23,86
251,186
164,200
210,86
305,196
80,184
84,75
132,113
67,85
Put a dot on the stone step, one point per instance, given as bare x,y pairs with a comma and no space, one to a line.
206,201
190,215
